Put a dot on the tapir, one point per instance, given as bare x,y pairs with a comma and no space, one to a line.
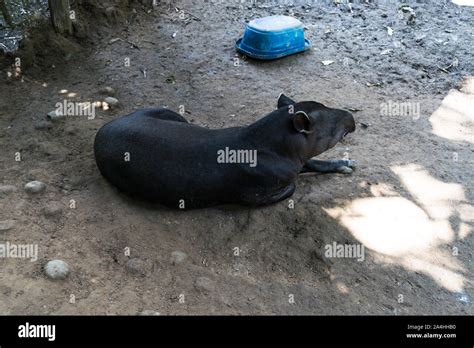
157,155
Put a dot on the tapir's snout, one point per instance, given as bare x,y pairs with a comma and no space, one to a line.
348,122
339,124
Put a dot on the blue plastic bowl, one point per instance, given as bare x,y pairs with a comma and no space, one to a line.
273,37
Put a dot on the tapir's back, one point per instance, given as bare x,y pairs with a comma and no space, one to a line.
165,161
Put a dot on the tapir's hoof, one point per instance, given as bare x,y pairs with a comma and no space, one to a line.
344,170
350,163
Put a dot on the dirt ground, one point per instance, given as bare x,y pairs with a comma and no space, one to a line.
409,202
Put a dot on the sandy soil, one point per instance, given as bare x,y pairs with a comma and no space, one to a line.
409,202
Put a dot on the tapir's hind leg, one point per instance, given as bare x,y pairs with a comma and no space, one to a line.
256,199
331,166
162,114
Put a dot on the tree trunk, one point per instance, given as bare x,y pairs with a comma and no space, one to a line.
59,10
6,13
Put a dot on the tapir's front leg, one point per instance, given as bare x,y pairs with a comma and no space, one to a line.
343,166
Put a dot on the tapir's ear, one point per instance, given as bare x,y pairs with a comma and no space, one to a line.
283,100
303,123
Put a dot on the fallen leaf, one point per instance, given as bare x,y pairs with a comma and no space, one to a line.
327,62
455,62
377,84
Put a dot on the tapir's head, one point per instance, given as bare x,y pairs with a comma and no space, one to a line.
319,127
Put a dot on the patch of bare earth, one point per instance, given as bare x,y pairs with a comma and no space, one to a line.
409,202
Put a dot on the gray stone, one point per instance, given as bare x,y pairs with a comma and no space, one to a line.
111,101
57,269
6,225
137,266
43,125
55,116
53,209
35,187
5,190
108,91
204,284
178,257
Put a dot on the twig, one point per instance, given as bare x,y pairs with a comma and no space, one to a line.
120,39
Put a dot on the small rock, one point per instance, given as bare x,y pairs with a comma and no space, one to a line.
53,209
178,257
149,312
138,266
55,116
57,269
42,125
108,91
6,225
35,187
204,284
5,190
111,101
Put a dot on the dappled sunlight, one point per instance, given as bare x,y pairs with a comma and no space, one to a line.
437,198
464,2
454,119
393,225
418,234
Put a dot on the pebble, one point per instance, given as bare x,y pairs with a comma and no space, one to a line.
109,91
111,101
204,284
53,209
6,225
178,257
35,187
43,125
5,190
57,269
138,266
55,116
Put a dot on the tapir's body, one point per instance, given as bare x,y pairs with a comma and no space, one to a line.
157,155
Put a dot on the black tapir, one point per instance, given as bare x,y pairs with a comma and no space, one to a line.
157,155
